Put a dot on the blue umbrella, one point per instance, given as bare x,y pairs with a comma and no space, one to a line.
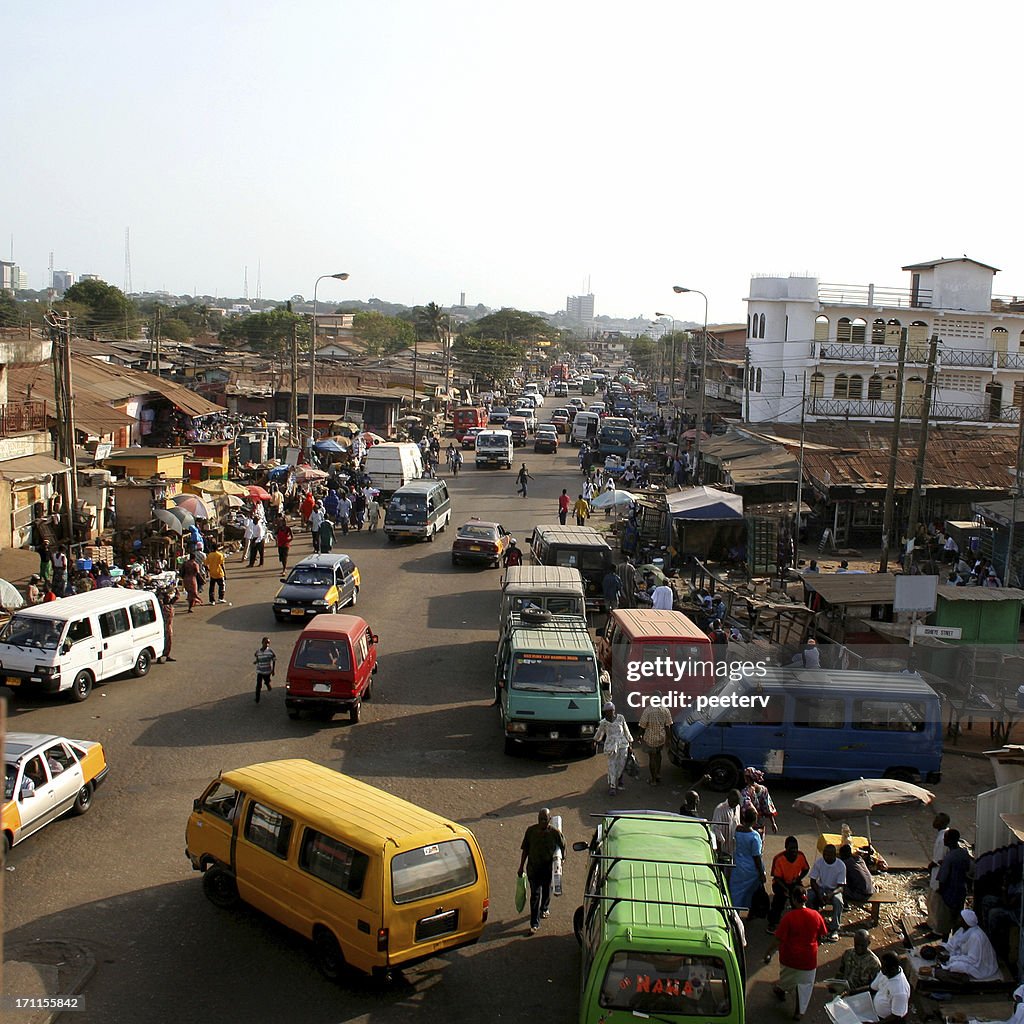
328,446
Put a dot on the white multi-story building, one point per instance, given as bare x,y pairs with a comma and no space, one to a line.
834,349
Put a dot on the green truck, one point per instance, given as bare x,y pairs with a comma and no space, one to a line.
547,682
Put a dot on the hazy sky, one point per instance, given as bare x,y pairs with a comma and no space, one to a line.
510,151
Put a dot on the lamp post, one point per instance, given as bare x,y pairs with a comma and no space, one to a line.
312,357
680,290
672,378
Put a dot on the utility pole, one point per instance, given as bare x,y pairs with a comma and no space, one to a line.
157,331
800,468
293,402
890,489
915,497
746,394
1017,481
60,352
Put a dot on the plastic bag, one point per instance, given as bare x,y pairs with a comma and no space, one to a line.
520,892
632,766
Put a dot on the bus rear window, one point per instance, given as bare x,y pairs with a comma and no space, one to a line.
432,871
696,986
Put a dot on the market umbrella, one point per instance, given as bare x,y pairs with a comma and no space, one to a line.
221,487
329,445
691,434
233,501
610,499
371,438
861,796
257,493
194,504
10,596
171,521
304,474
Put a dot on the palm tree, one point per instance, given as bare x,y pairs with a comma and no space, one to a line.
434,323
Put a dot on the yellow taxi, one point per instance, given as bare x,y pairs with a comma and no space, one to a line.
478,541
319,583
44,778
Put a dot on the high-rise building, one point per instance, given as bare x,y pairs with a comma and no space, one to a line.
7,271
580,308
62,281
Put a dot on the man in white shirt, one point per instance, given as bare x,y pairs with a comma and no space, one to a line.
663,597
967,954
828,876
256,534
725,821
935,917
891,989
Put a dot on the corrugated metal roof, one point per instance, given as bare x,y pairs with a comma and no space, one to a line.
777,466
853,588
28,467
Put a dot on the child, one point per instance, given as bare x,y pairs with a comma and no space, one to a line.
265,661
373,514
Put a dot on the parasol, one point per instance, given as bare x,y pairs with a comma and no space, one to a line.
174,518
610,499
371,438
304,474
233,501
329,445
221,487
194,504
861,797
10,597
257,493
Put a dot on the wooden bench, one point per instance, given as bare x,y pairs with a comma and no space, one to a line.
874,905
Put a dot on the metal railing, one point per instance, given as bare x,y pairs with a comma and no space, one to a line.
983,358
17,417
878,408
870,295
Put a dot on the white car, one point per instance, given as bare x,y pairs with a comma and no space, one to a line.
526,411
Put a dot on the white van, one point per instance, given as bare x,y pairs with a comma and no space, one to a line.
494,448
585,427
68,645
393,464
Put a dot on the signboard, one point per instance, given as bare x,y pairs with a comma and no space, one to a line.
662,393
915,593
941,632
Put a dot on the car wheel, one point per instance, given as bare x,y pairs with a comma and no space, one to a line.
7,846
368,692
511,747
327,955
430,536
83,801
293,713
723,774
220,887
455,560
353,713
81,687
142,663
355,597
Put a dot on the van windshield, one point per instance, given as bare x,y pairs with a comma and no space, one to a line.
573,673
491,441
655,983
323,656
432,871
584,559
25,631
408,508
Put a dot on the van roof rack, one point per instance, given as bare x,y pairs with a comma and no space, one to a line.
725,909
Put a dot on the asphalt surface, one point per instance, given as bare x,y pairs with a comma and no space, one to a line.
117,882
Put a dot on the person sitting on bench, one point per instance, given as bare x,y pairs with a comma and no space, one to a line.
860,886
967,955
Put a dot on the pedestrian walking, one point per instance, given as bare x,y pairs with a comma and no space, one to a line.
938,918
215,568
748,867
325,536
614,731
627,573
344,516
265,661
307,505
373,514
257,540
191,575
725,822
581,509
512,556
167,599
60,570
755,794
284,540
457,461
611,588
655,723
45,561
358,510
797,937
523,478
541,844
563,506
316,517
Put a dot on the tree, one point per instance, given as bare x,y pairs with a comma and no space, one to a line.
432,322
268,333
644,354
511,325
107,309
382,334
486,358
10,314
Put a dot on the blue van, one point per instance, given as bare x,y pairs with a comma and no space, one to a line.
811,724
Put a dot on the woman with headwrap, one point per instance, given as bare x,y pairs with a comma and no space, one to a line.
755,794
617,740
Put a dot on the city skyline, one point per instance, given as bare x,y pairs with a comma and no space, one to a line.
430,150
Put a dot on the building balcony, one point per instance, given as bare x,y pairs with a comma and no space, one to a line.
873,295
885,409
982,358
20,417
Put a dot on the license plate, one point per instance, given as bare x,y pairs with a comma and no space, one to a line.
321,687
475,547
553,735
13,681
298,611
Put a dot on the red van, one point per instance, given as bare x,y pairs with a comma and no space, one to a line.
649,651
466,417
331,666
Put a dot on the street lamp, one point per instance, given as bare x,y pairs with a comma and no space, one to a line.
680,290
672,379
312,356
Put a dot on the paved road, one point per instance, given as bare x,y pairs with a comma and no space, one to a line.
118,882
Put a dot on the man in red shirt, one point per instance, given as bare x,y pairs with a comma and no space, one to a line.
798,935
563,506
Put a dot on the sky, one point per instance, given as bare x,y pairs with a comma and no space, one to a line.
513,152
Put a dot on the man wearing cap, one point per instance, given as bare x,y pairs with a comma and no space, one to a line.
540,844
967,955
617,739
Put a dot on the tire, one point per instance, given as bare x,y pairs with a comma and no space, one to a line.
220,887
577,924
353,713
355,597
455,560
430,536
511,747
723,774
142,664
83,801
368,692
293,713
6,848
327,955
81,687
391,538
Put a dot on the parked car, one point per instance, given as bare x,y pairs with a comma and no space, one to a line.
45,777
479,541
319,583
546,439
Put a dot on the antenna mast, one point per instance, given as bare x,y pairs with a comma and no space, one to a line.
127,261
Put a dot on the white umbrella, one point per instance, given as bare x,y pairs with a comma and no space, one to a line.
10,596
610,499
861,796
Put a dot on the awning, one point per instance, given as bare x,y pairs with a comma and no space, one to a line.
93,417
188,401
31,467
705,503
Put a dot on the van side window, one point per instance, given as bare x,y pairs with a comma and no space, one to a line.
268,829
819,713
81,629
333,862
890,715
222,801
362,649
143,613
113,622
